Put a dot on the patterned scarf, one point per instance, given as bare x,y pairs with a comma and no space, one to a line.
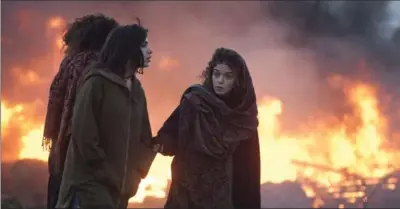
61,101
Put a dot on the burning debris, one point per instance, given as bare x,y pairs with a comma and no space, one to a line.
357,192
354,191
339,155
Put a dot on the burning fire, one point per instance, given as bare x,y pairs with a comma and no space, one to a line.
327,153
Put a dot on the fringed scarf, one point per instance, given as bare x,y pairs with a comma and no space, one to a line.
215,127
60,105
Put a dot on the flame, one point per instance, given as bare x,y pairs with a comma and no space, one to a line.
331,152
150,186
31,140
327,153
32,133
334,149
7,114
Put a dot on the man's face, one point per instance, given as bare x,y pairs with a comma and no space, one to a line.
146,51
223,79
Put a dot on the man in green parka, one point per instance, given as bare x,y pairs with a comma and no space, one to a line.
109,153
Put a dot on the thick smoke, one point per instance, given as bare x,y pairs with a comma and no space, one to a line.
341,33
290,47
369,26
335,19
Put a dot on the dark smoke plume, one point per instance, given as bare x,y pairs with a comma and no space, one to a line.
344,35
355,22
330,18
290,47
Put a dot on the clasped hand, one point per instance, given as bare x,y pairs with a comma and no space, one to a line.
156,146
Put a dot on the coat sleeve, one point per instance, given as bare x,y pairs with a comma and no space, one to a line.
147,156
84,122
167,136
55,105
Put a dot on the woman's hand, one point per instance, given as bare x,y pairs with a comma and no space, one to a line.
156,145
157,148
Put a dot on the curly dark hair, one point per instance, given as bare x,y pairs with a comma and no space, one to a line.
234,61
123,45
88,33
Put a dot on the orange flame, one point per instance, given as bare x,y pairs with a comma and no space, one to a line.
359,152
332,147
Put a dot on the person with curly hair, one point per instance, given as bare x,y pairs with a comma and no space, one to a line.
109,152
213,137
82,41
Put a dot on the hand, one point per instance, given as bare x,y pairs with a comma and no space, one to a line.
154,141
156,147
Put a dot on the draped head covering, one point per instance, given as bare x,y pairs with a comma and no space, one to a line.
212,129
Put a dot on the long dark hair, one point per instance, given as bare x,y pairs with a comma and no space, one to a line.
87,33
123,45
236,62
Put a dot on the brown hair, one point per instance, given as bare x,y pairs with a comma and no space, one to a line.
88,33
235,62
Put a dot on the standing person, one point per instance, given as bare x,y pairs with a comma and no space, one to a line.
109,151
213,137
83,39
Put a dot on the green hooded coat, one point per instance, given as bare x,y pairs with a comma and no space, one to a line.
108,153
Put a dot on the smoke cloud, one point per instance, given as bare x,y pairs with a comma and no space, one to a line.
291,49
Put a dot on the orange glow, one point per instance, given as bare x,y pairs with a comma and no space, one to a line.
322,152
56,23
325,144
29,141
168,63
359,151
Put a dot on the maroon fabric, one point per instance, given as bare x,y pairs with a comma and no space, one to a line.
205,134
59,110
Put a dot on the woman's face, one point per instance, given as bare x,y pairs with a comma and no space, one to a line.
223,79
146,51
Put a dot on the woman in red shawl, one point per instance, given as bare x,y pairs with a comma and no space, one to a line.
83,39
213,137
